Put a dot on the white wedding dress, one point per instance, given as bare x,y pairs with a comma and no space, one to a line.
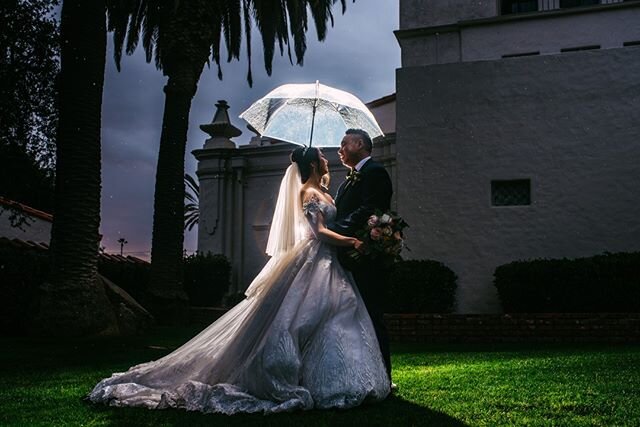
302,339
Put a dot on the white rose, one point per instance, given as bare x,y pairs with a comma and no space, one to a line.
385,219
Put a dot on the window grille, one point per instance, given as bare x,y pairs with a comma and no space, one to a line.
518,6
515,192
577,3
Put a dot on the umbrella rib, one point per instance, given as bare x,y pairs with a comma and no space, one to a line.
338,109
275,112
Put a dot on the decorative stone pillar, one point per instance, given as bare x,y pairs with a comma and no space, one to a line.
239,165
217,186
220,129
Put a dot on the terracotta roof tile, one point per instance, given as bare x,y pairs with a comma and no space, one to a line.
41,246
26,209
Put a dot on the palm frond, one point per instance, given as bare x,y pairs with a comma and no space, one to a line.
321,15
191,184
247,35
192,208
135,23
173,30
263,15
232,28
191,217
298,25
118,16
191,198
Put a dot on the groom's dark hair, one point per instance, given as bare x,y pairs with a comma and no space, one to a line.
366,139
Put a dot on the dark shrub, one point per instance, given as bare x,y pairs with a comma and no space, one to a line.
206,278
421,287
602,283
22,270
231,300
130,274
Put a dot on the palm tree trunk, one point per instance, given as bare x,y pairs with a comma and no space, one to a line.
74,303
169,301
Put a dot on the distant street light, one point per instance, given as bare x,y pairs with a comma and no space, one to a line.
122,242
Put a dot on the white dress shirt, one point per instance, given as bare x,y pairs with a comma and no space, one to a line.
361,163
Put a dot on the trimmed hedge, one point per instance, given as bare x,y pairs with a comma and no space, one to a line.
421,287
21,273
133,277
206,278
24,269
602,283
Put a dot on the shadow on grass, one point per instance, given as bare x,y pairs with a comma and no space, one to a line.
394,411
46,379
63,353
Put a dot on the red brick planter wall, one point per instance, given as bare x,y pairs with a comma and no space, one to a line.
517,327
480,328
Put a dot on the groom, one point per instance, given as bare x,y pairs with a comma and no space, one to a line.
366,189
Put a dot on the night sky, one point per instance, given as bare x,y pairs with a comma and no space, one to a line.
359,55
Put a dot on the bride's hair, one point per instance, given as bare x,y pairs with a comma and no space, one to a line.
303,157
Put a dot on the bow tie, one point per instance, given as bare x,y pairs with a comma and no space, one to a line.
353,176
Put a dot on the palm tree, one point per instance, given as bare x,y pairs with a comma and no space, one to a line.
191,208
74,303
122,242
181,38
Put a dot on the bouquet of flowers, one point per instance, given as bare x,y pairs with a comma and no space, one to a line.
383,237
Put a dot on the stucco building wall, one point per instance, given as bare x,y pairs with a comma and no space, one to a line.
463,38
38,230
35,227
569,123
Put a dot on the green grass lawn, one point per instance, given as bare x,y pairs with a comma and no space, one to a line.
43,383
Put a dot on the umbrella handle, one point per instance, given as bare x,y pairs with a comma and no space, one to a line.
313,119
313,115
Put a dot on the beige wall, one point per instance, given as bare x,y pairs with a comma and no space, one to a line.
35,229
566,121
569,123
385,114
427,13
544,32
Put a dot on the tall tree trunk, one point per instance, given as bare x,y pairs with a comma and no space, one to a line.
169,301
74,303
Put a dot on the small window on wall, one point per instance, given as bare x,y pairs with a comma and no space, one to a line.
577,3
518,6
516,192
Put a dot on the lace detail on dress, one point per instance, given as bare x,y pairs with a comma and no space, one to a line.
314,205
311,208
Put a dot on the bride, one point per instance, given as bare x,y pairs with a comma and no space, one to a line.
301,339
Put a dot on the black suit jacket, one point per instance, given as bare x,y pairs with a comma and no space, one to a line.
357,201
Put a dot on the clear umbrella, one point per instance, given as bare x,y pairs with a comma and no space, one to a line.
312,114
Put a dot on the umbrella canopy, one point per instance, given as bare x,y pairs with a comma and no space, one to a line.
310,114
